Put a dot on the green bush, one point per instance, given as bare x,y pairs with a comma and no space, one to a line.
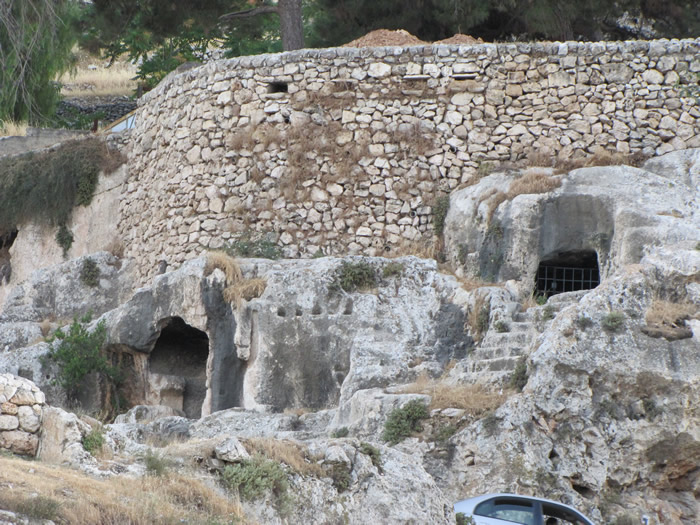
340,473
89,273
440,209
392,269
64,238
613,321
46,186
402,422
93,440
254,477
37,507
78,353
352,276
374,454
548,313
340,433
442,434
261,245
519,378
501,326
463,519
583,322
541,300
155,464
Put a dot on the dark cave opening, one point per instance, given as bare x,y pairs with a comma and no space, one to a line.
567,272
6,241
182,351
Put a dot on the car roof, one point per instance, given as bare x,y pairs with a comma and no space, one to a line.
469,504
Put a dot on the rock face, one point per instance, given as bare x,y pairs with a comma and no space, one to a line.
608,374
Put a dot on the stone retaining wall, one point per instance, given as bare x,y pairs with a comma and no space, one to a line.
346,150
21,404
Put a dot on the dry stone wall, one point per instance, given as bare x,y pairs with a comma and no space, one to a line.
346,150
21,405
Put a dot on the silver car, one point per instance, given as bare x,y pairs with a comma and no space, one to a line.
507,509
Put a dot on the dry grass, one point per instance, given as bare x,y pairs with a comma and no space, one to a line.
116,247
45,327
478,316
537,158
81,500
227,264
10,128
531,183
244,290
287,452
92,78
667,313
476,400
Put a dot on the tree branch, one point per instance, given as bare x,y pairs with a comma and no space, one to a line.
248,13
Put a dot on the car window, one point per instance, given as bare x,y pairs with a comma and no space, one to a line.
556,515
508,509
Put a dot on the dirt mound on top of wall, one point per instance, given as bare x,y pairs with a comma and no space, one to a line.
400,37
386,37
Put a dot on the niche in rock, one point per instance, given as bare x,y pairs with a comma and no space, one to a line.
6,241
567,272
177,367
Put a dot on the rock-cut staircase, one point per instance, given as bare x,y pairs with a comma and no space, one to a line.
496,356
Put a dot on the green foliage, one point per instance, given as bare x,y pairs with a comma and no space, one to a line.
442,434
613,321
490,424
541,300
78,352
651,410
155,464
374,454
501,326
94,440
71,118
249,244
352,276
36,38
548,313
89,273
253,477
340,473
440,209
46,186
482,320
583,322
340,433
392,269
463,519
64,238
519,378
402,422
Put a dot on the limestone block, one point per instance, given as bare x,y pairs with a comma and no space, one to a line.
652,76
379,70
19,442
8,422
23,396
617,73
231,450
29,421
8,408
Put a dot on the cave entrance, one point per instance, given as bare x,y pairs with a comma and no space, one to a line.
178,367
567,272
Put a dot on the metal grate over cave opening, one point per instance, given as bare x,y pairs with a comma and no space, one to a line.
567,272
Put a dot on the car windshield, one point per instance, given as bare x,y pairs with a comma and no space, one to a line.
558,515
508,509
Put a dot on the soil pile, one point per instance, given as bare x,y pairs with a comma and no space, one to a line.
400,37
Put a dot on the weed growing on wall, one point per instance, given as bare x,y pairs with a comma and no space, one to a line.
249,244
392,269
440,209
64,238
46,186
404,421
519,378
353,276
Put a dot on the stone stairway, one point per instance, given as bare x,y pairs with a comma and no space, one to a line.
496,356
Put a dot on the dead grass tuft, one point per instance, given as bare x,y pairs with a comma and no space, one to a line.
244,290
292,454
10,128
475,399
225,263
82,500
662,312
532,182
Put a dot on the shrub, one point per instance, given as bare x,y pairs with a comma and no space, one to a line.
250,244
541,299
78,353
46,186
583,322
613,321
64,238
463,519
374,454
89,273
519,378
253,477
94,440
155,464
548,313
340,433
392,269
38,507
442,434
501,326
352,276
402,422
340,473
440,208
